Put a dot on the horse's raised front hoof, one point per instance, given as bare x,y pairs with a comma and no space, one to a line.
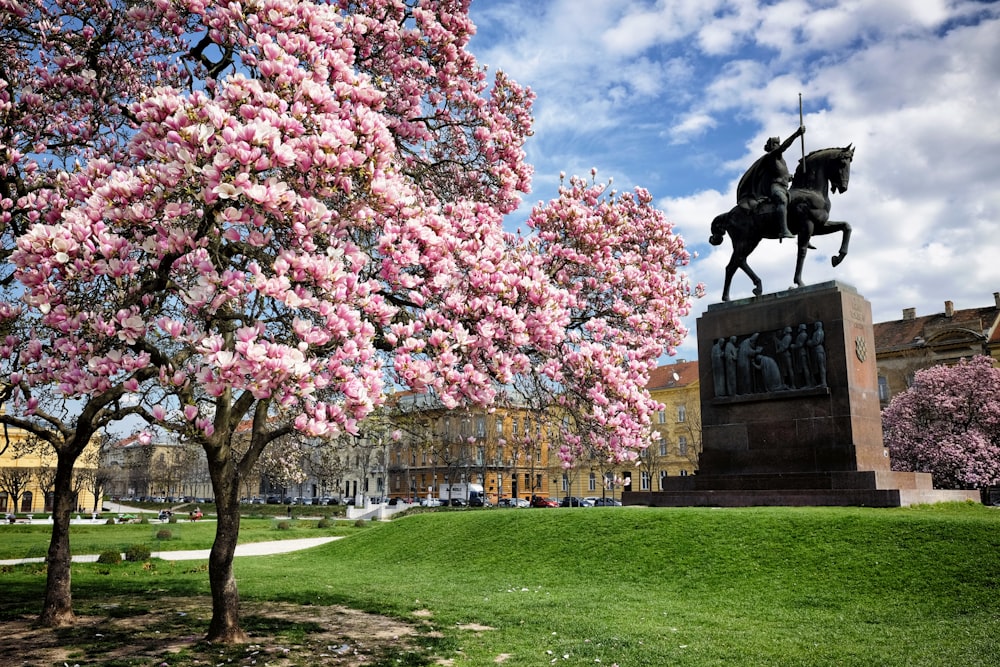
837,259
758,290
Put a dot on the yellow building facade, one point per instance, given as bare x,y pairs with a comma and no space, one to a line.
676,451
513,451
28,470
506,450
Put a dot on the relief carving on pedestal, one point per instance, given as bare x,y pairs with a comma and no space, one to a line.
780,361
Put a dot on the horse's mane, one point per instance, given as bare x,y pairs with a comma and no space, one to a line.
798,180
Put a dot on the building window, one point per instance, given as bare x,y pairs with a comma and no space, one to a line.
538,481
480,427
663,447
592,482
644,481
883,388
663,479
661,416
682,446
684,473
681,413
500,427
565,482
527,480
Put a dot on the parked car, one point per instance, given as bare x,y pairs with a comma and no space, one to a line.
513,502
430,502
607,502
539,501
573,501
273,500
480,501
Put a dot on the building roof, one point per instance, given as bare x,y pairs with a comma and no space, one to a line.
673,376
960,326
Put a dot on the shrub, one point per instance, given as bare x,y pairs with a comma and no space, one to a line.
324,523
144,521
137,553
110,521
172,519
164,534
110,557
283,525
360,523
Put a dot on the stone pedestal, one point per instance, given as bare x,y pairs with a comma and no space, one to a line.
801,427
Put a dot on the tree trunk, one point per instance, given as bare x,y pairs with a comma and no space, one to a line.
225,625
57,609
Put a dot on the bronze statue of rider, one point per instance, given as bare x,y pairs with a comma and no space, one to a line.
768,179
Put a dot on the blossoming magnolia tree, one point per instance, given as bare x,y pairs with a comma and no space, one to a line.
318,217
68,72
948,424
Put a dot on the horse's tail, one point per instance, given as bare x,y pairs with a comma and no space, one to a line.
719,226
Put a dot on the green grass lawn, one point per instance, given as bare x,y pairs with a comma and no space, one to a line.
641,587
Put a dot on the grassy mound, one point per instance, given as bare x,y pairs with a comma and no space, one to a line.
638,586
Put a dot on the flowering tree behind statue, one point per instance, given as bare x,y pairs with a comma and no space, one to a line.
318,219
948,424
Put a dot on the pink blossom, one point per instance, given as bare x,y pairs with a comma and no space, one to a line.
947,423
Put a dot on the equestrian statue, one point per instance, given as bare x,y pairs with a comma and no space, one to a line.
768,209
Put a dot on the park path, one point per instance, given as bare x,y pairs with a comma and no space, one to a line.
251,549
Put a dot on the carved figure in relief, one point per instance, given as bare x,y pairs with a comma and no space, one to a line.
800,357
719,367
817,354
731,354
770,373
747,351
783,355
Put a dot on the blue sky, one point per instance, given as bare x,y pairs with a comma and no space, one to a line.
679,96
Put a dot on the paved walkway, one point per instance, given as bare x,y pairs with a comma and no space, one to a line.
251,549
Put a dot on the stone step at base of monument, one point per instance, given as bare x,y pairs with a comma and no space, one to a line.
796,497
830,480
770,497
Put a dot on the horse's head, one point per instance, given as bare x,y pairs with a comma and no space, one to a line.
832,165
840,174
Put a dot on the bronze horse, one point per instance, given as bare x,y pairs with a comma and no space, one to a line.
808,215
